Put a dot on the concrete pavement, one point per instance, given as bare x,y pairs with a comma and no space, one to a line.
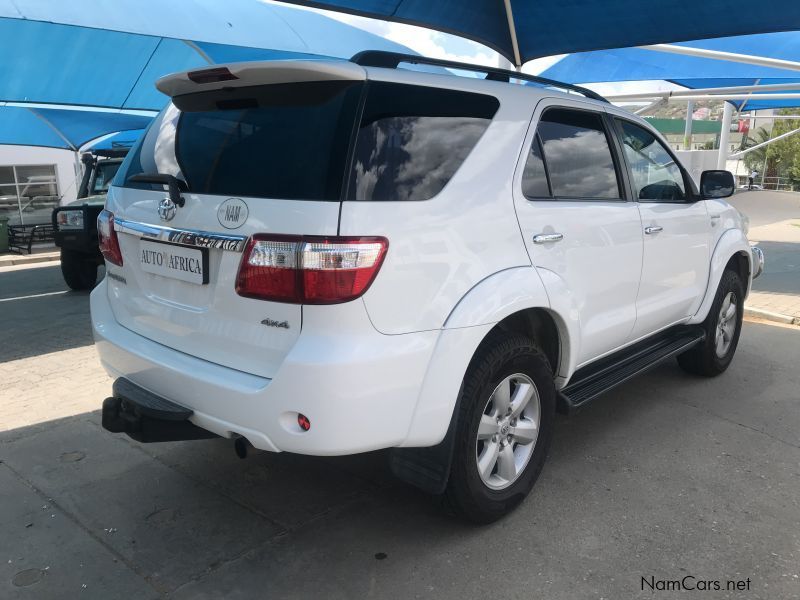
775,225
668,476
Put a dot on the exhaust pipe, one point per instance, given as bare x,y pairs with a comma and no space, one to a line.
240,445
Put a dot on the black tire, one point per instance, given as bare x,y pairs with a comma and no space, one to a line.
498,357
79,271
704,359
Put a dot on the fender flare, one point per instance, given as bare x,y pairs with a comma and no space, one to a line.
423,459
479,310
730,243
524,288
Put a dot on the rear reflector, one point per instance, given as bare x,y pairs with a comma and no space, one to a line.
107,237
211,75
309,270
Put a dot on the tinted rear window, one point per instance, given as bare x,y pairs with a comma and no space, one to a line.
286,141
412,140
296,141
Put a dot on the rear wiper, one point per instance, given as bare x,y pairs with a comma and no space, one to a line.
174,185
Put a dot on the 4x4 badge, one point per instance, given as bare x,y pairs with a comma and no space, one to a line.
167,209
232,213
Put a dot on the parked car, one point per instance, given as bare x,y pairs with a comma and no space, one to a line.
75,224
329,257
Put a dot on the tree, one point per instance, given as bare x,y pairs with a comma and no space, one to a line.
782,158
786,152
758,157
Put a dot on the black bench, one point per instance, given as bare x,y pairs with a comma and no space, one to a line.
22,237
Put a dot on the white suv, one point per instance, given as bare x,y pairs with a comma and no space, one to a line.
354,256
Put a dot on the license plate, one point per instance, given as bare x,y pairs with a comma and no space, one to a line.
175,262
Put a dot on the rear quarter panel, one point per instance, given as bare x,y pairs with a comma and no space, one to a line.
440,248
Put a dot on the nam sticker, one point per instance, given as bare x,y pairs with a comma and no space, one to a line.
232,213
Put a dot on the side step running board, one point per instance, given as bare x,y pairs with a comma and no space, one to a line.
599,377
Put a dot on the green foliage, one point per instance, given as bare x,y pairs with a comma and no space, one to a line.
782,158
786,152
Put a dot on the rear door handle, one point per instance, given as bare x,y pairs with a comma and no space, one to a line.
653,229
544,238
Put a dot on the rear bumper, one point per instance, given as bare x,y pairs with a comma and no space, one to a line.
359,389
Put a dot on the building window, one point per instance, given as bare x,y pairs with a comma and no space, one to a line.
28,193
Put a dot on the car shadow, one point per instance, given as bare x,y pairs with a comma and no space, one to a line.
663,452
40,315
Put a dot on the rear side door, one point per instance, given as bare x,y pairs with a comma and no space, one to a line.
676,227
582,234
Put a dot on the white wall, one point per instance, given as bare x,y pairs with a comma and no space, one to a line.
697,161
65,161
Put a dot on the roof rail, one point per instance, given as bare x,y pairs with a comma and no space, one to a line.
391,60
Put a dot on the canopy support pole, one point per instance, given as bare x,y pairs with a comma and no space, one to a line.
687,131
775,139
512,31
701,96
721,91
55,129
748,59
725,136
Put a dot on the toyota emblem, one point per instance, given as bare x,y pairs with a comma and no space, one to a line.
167,209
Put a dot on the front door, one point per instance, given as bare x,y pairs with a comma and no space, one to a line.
677,232
582,235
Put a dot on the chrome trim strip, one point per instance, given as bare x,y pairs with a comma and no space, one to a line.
186,237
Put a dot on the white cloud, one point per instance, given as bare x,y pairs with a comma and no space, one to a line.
426,42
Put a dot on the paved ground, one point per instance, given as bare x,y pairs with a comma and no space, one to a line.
668,476
775,225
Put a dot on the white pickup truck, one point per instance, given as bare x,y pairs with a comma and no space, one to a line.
333,257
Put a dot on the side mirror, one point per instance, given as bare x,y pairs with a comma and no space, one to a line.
716,184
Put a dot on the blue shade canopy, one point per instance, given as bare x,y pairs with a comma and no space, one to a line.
636,64
57,128
107,54
123,139
547,27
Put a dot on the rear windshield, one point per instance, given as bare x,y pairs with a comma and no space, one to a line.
285,141
297,141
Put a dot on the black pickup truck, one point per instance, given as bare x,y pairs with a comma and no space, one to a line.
75,224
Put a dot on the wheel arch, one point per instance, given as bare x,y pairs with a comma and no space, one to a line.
732,251
512,300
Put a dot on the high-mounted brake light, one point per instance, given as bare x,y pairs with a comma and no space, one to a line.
214,75
309,270
107,236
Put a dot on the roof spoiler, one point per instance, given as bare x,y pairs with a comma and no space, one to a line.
258,73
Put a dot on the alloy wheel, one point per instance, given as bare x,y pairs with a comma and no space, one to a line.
507,431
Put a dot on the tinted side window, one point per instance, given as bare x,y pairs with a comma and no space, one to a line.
534,177
655,174
577,154
412,140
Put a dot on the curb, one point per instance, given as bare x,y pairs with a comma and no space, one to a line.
14,260
771,316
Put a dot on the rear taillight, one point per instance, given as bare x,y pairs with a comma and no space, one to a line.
309,270
107,236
